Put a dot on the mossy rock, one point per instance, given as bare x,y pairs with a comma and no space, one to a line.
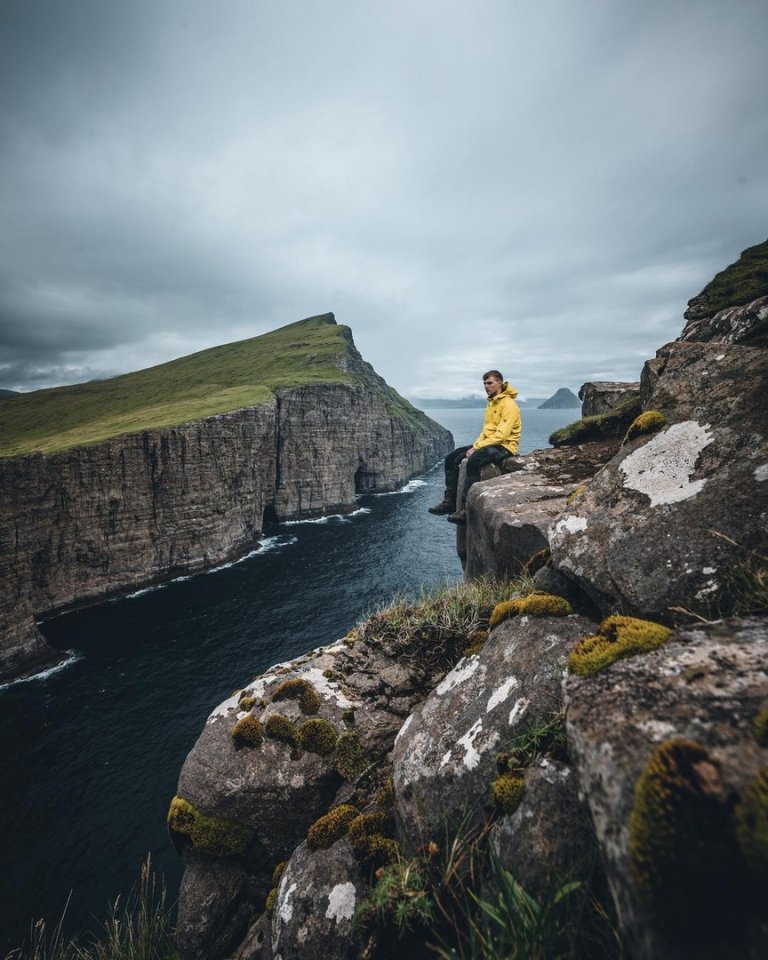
386,796
269,906
371,840
349,759
683,853
649,422
575,494
752,826
505,611
278,872
219,838
534,605
318,736
278,727
299,689
603,426
247,732
740,283
507,792
617,637
760,727
247,703
331,827
538,560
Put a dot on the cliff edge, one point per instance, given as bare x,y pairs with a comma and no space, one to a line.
112,485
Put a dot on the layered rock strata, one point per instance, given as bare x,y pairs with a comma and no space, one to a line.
603,396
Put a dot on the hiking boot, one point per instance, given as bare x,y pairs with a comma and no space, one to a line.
458,517
446,505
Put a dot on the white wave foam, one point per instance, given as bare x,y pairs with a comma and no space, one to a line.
409,487
338,517
72,657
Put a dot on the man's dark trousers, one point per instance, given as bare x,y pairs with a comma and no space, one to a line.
479,458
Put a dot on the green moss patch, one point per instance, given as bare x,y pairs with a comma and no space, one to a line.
301,690
247,703
617,637
760,727
649,422
220,838
247,732
683,854
318,736
269,906
534,605
349,759
278,727
603,426
331,827
507,792
752,826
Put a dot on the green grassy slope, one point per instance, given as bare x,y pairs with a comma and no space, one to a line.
213,381
741,282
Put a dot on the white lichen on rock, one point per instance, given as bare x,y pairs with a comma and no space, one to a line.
284,906
461,672
500,695
662,468
326,690
571,524
341,902
761,473
471,756
518,710
404,727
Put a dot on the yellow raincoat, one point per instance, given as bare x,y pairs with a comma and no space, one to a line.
502,425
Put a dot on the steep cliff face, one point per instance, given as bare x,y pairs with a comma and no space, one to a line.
91,521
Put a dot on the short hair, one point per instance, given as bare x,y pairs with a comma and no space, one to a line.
495,374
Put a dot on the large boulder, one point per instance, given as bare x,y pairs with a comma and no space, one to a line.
509,516
747,324
477,726
315,905
667,749
602,396
671,520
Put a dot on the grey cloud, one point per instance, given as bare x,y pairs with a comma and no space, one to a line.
465,186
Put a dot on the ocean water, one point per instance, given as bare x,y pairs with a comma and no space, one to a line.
90,752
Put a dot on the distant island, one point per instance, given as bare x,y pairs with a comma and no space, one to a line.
562,399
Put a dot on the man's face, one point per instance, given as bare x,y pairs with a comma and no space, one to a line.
492,386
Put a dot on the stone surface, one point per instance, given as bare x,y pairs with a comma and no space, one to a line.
507,522
224,898
602,396
656,527
95,521
275,789
510,516
705,685
445,756
548,839
315,905
745,324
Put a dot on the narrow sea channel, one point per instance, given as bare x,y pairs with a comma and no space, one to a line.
90,754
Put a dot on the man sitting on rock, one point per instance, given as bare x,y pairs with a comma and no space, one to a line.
499,439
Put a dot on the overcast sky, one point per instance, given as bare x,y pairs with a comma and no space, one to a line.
533,185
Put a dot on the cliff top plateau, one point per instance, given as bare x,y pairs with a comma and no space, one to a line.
213,381
740,282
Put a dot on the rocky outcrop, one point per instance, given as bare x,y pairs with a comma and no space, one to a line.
614,750
747,324
670,519
94,521
509,516
602,396
682,715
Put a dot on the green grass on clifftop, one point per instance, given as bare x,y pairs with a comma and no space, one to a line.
213,381
740,283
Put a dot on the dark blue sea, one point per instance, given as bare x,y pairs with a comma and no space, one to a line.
90,753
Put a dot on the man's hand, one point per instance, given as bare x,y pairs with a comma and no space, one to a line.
469,452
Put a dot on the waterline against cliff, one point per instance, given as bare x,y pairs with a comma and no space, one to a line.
91,753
